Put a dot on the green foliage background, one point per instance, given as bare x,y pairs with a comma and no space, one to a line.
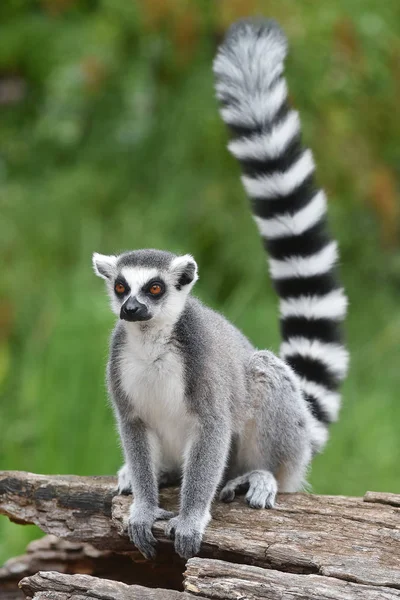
110,139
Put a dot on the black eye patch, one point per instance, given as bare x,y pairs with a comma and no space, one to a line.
155,288
121,287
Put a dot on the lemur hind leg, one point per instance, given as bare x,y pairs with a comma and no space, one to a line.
260,485
274,450
124,483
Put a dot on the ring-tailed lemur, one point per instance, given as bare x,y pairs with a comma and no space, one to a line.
192,396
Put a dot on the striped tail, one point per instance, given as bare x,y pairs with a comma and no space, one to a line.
289,210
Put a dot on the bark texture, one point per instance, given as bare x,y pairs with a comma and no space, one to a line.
323,542
219,580
58,586
209,579
53,554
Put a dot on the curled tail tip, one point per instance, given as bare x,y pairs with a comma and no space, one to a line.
250,40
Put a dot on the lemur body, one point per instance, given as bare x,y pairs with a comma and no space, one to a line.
192,396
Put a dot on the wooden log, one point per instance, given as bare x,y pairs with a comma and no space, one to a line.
382,498
330,536
219,580
53,554
210,580
57,586
50,554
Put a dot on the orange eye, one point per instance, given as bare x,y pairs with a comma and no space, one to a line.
120,288
155,289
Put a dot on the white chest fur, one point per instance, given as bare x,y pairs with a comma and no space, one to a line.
152,376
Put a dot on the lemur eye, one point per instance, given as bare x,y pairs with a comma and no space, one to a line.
155,289
120,288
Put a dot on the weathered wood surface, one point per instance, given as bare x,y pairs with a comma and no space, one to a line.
330,536
50,553
57,586
220,580
382,498
208,579
53,554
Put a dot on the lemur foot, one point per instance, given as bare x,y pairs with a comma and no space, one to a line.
261,489
141,520
124,484
187,533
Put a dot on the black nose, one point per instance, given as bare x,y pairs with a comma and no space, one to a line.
133,310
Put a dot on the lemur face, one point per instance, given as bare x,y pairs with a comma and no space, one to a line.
146,285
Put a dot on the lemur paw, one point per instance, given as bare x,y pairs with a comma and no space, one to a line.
140,523
261,489
124,484
187,533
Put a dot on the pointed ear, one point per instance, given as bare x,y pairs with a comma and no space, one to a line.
185,268
104,266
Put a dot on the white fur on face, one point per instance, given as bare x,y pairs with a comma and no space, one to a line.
177,297
167,309
137,277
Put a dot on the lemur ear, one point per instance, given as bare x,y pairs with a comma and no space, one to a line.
103,265
185,268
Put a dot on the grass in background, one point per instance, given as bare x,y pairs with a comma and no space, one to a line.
116,143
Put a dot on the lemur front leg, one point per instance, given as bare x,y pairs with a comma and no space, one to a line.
144,510
204,465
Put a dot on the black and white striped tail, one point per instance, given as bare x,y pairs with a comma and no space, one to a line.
290,211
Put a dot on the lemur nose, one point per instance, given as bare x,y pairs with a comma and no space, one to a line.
133,310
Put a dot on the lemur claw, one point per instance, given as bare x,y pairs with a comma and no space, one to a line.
140,534
139,529
187,536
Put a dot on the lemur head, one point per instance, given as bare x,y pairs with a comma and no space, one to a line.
147,284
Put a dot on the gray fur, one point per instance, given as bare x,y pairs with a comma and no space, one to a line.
247,419
145,258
